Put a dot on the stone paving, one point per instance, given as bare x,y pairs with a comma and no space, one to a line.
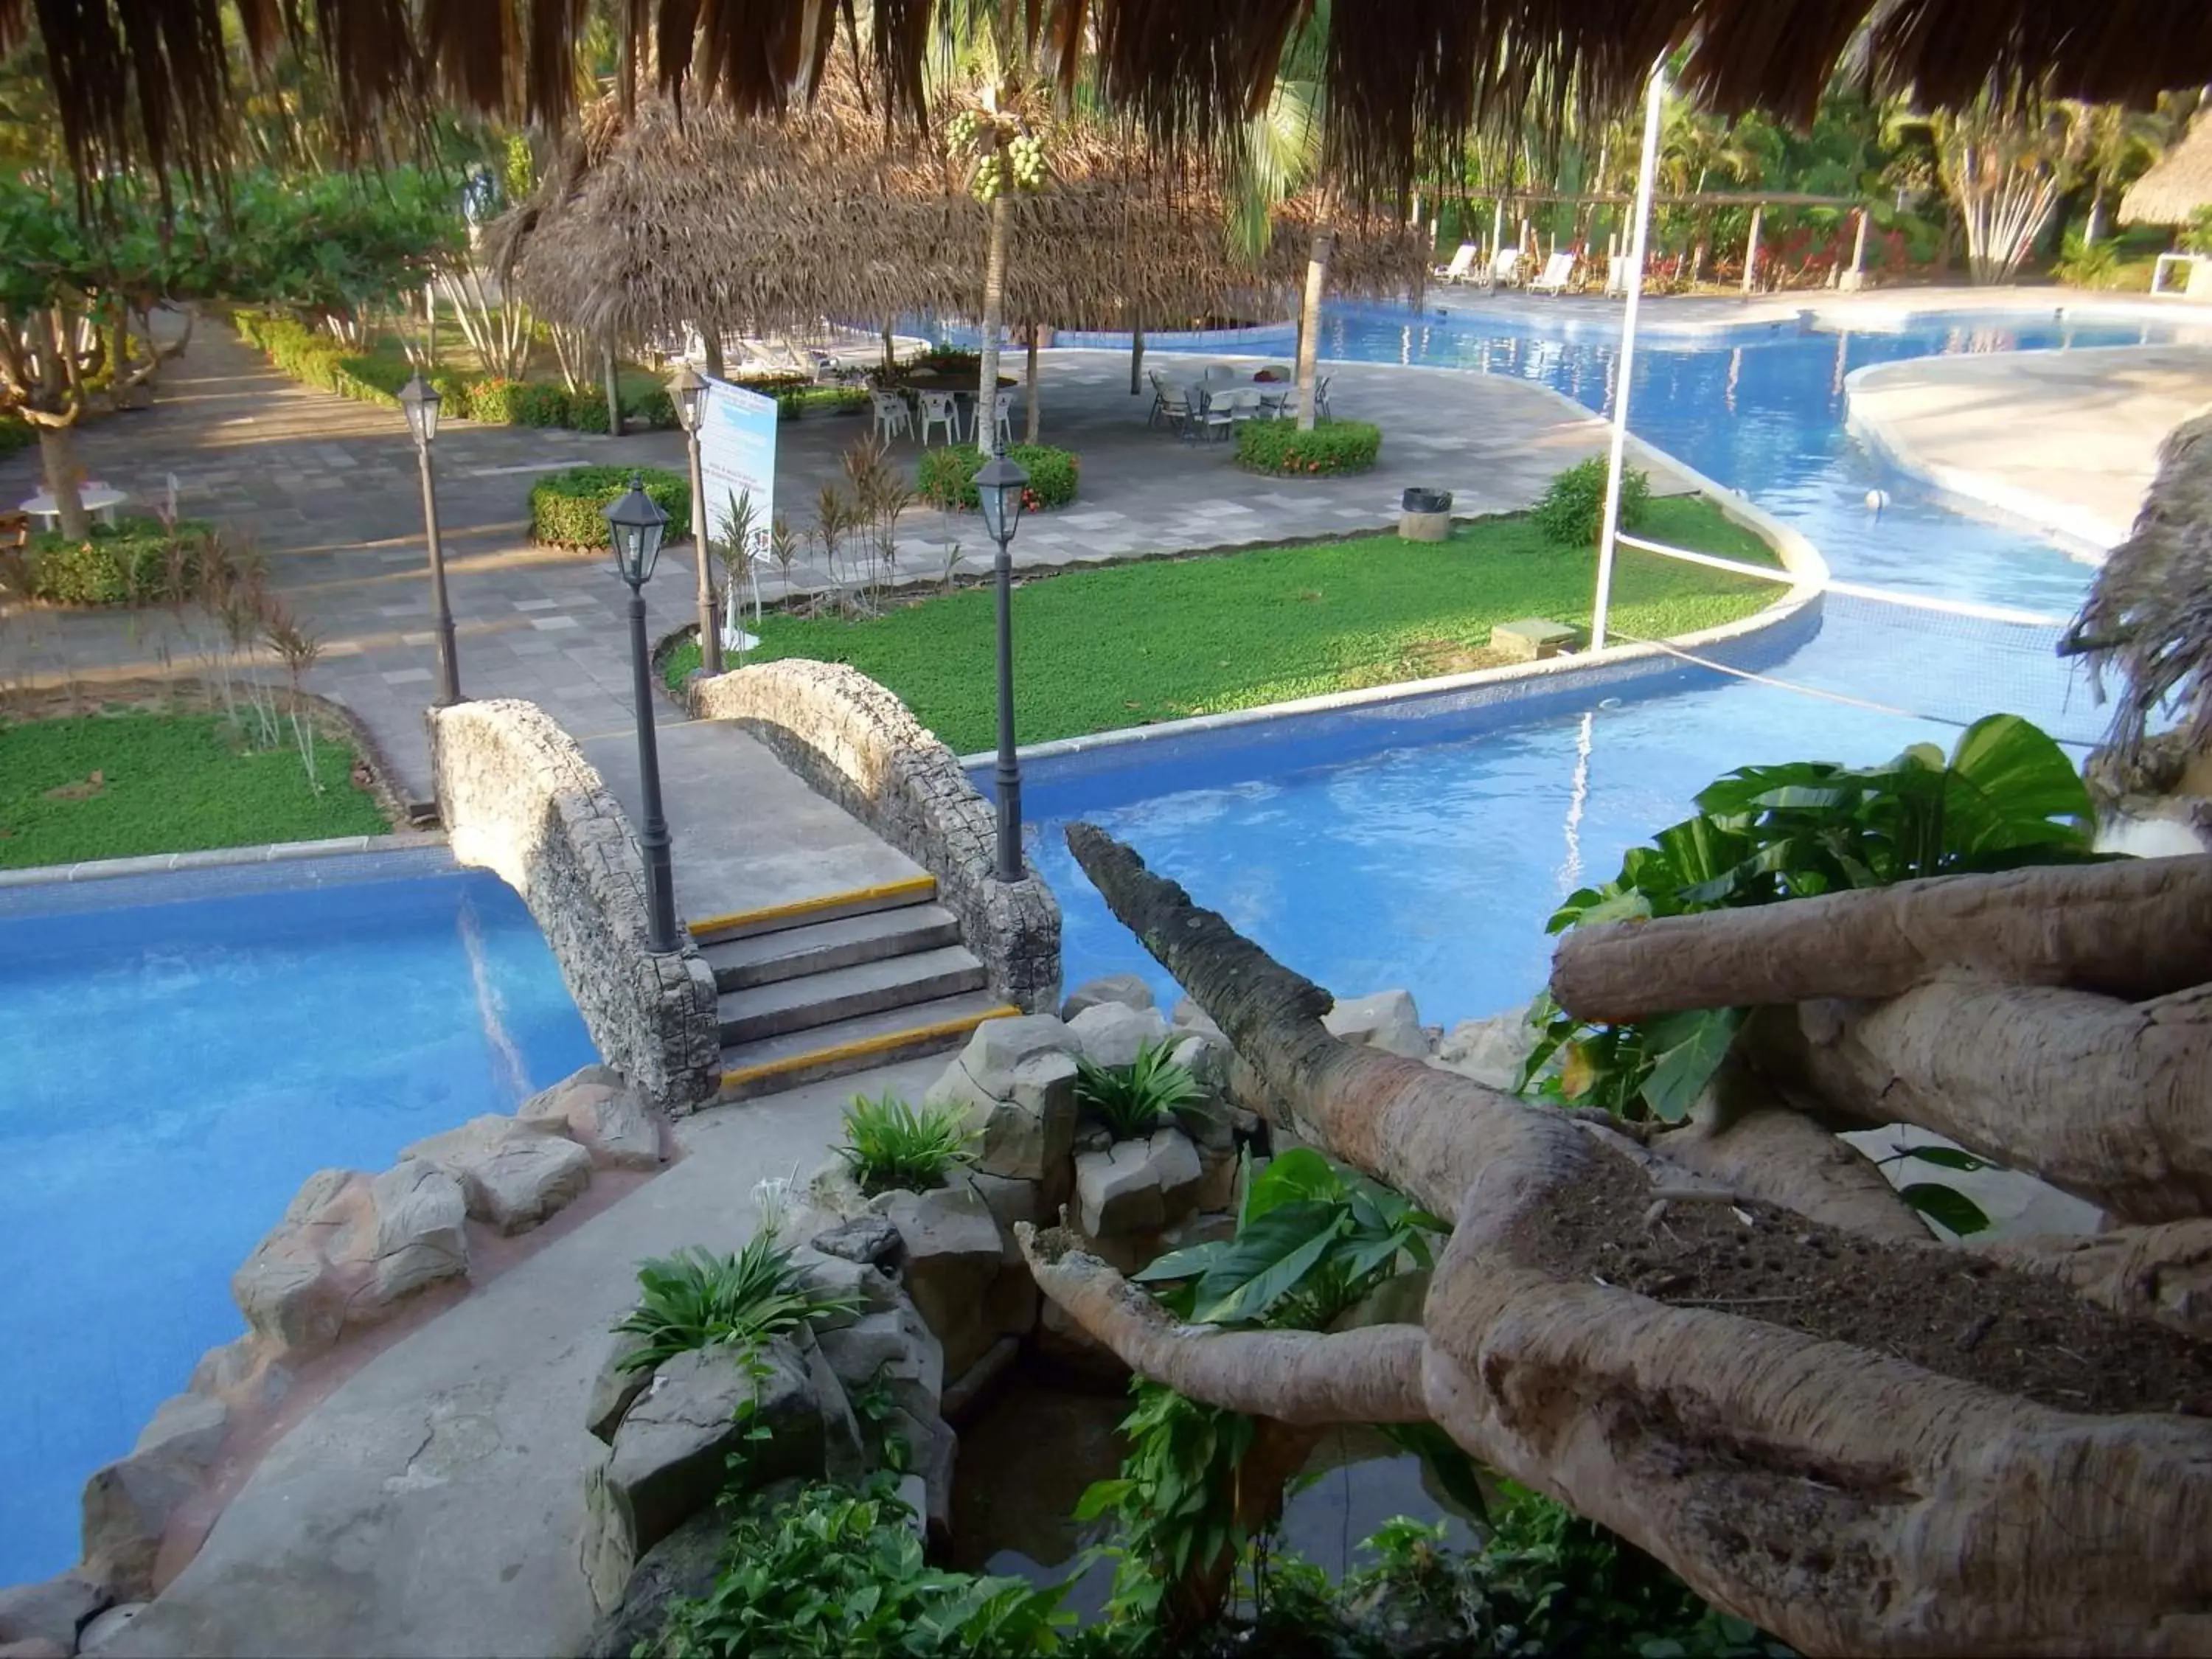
326,490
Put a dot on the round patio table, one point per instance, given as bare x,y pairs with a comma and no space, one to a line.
102,499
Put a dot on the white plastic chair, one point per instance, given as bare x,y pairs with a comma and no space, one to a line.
1003,416
1461,262
1559,271
1505,267
891,415
1618,269
1321,398
941,409
1175,407
1274,400
1221,407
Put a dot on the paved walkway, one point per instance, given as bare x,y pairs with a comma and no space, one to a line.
326,490
2067,442
433,1504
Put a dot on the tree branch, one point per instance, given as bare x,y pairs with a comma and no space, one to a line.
2134,928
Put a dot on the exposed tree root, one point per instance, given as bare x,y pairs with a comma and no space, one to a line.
2132,929
1845,1499
2163,1273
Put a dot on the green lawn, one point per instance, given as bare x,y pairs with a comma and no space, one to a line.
165,783
1163,639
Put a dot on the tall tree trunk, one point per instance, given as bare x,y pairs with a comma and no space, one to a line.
1309,318
2094,232
57,455
710,351
890,350
1036,409
611,381
1136,359
994,317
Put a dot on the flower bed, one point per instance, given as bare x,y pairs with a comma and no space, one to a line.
568,510
135,561
947,475
1279,447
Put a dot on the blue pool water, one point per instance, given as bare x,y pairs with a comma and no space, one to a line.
174,1071
1432,865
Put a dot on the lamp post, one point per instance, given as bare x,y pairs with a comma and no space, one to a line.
420,404
687,389
636,525
1000,485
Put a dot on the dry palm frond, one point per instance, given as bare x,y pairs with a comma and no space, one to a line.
2175,188
2148,621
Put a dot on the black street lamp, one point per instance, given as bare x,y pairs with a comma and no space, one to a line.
636,525
999,486
420,404
687,390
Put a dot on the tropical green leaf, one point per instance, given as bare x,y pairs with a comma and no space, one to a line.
1298,1174
1946,1205
1947,1158
1687,1049
1270,1255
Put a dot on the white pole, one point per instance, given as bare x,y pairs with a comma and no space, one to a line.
1624,366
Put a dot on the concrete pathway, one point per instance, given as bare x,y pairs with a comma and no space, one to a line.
432,1505
326,490
2065,440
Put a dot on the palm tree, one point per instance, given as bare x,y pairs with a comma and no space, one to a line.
2117,144
2005,170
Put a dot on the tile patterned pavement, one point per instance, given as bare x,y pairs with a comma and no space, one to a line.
328,490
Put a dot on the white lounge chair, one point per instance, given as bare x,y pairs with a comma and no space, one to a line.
1559,271
1504,267
1617,268
1460,268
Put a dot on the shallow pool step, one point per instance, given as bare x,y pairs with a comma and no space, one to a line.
784,1061
755,959
867,988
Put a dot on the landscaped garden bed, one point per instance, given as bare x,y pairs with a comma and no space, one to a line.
135,561
127,781
1329,447
568,510
1164,638
946,477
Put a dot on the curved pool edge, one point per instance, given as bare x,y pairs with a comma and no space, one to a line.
398,843
1760,641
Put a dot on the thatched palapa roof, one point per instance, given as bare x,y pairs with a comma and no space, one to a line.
2148,622
2178,186
703,218
152,79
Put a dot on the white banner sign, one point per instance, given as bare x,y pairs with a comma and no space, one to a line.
736,465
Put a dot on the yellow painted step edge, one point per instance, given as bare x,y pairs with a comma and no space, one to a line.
912,887
862,1046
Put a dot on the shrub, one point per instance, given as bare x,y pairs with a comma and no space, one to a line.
537,403
794,403
1572,510
2197,234
654,409
135,561
568,510
15,434
947,475
951,360
834,1571
890,1145
1332,447
696,1299
1135,1099
589,415
2087,264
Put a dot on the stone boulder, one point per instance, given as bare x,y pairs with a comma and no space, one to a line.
422,1228
681,1567
617,1384
1112,1033
1176,1167
1189,1020
868,1239
128,1506
671,1448
513,1176
1489,1051
953,1251
187,1428
602,1114
106,1626
1386,1020
1017,1077
54,1611
1127,989
893,1347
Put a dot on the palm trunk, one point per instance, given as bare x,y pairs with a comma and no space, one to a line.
1035,413
1136,359
1310,321
612,383
994,312
710,352
2094,231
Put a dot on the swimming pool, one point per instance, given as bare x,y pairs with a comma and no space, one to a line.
182,1052
1432,865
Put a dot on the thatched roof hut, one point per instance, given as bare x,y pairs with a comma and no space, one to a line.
2178,186
2148,622
700,218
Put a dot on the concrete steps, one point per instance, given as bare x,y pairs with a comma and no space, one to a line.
841,983
746,960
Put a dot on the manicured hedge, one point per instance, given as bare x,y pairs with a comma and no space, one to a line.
947,477
129,563
568,510
1279,447
794,403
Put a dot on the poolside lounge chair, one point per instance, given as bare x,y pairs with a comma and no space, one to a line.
1559,271
1504,269
1460,268
1617,268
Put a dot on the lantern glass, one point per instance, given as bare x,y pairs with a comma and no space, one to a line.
687,389
636,525
419,402
999,486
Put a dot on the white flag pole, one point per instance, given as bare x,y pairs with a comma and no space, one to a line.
1625,365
